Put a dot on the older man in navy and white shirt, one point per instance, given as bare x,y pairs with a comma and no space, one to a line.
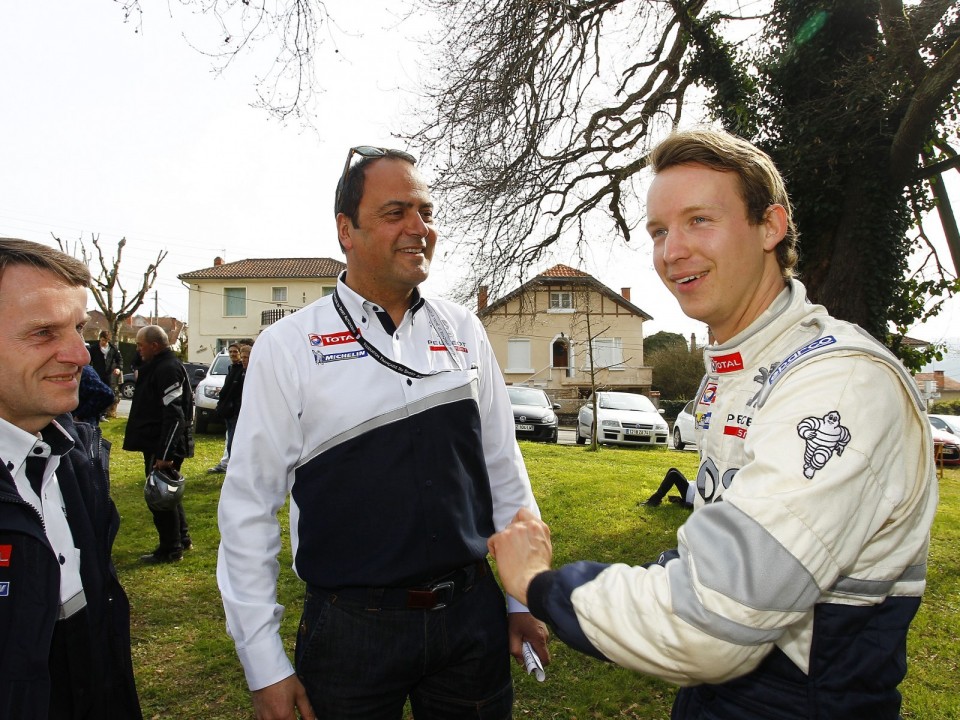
384,416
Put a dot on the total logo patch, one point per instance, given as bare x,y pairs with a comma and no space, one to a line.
5,552
340,338
322,358
727,363
709,394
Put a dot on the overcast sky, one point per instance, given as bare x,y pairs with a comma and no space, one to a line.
122,133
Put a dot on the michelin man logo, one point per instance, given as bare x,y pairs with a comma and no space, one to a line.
824,436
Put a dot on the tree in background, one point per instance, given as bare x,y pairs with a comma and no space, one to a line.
677,371
545,113
660,340
106,281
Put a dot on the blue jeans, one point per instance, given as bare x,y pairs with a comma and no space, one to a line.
453,663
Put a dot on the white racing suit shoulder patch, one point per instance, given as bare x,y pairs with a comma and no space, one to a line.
823,437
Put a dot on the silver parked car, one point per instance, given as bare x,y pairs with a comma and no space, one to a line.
685,428
623,419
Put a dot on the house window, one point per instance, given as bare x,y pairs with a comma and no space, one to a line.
279,294
561,301
328,290
518,356
234,302
608,353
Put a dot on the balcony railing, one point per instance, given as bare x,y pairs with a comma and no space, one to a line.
269,317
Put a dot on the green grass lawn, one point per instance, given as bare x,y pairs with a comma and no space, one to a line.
186,666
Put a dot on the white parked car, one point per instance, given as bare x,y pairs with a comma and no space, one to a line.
948,423
685,428
624,419
208,392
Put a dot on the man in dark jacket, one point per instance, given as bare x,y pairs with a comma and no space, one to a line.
224,412
160,426
64,618
105,358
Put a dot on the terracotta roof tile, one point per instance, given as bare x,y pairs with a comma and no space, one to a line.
563,271
266,268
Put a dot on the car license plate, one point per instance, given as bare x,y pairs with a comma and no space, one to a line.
635,431
524,428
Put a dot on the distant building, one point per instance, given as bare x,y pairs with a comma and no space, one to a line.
127,331
232,301
540,334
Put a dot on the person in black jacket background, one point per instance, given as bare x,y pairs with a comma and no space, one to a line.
231,396
95,397
64,617
160,426
233,350
106,359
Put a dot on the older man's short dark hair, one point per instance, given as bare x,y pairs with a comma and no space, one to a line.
352,191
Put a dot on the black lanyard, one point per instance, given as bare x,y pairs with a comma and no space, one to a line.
383,359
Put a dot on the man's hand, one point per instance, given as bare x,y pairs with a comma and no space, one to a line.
524,626
522,550
282,701
164,465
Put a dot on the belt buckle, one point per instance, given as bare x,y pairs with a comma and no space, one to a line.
444,587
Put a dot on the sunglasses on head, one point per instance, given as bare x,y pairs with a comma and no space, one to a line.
367,151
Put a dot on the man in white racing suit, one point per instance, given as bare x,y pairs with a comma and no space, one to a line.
795,580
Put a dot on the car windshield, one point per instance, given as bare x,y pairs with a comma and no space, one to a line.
221,364
527,396
626,401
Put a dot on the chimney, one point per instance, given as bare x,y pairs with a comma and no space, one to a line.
938,378
626,293
481,297
217,261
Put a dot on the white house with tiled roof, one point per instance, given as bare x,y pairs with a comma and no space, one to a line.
236,300
541,334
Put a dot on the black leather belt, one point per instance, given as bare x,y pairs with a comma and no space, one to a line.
433,595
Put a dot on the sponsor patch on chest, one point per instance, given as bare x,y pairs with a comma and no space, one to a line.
727,363
338,338
321,358
5,552
438,346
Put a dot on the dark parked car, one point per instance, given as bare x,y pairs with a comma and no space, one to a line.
533,414
195,371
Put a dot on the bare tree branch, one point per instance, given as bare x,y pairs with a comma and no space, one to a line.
106,280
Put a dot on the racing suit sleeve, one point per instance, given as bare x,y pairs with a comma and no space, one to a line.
265,449
749,570
509,482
